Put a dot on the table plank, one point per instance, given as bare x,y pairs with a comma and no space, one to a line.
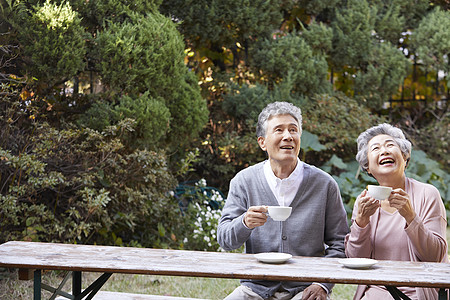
88,258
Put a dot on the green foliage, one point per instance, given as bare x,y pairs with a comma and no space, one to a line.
221,156
290,56
99,116
80,185
310,142
390,22
412,13
136,48
433,136
370,68
188,112
432,40
152,119
53,40
424,169
156,125
336,120
168,105
223,22
352,38
314,7
319,37
246,102
96,12
385,69
113,49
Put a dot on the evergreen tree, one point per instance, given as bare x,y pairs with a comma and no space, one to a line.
432,40
110,49
359,48
52,40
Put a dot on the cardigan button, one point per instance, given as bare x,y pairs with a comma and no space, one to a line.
284,237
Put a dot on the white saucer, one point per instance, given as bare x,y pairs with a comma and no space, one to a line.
273,257
358,263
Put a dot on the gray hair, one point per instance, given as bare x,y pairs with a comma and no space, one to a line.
366,136
275,109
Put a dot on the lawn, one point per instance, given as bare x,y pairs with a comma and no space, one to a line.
210,288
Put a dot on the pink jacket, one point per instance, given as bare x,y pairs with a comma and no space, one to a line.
426,233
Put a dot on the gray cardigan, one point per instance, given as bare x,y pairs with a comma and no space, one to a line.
318,218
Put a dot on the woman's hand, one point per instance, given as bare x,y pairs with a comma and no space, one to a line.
367,206
399,199
255,216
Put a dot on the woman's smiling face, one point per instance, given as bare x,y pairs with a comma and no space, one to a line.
385,157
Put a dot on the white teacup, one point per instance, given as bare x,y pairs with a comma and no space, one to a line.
379,192
279,213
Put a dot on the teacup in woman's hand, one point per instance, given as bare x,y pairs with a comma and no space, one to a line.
279,213
379,192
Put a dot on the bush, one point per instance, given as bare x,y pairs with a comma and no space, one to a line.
80,185
152,119
130,55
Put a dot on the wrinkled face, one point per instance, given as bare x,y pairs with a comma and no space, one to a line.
282,140
385,157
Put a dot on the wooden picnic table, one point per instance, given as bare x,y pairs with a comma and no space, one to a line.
108,260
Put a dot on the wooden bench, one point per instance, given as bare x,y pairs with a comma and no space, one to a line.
104,295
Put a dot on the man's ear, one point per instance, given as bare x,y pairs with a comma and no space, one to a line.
262,143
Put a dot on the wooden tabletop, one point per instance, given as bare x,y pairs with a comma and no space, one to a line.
107,259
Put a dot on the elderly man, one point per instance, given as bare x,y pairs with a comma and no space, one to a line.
317,225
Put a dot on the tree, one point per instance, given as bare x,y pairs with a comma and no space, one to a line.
432,41
66,46
96,94
290,56
341,50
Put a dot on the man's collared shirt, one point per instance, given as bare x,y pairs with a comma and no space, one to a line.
284,189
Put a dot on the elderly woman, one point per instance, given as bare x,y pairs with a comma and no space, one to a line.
409,225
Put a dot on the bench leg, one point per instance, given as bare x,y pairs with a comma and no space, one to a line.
91,290
77,294
396,293
443,294
37,285
76,283
57,291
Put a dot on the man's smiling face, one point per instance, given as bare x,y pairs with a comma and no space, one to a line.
282,140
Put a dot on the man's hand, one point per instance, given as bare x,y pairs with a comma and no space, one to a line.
255,216
314,292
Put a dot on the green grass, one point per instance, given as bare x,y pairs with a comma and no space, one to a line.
207,288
